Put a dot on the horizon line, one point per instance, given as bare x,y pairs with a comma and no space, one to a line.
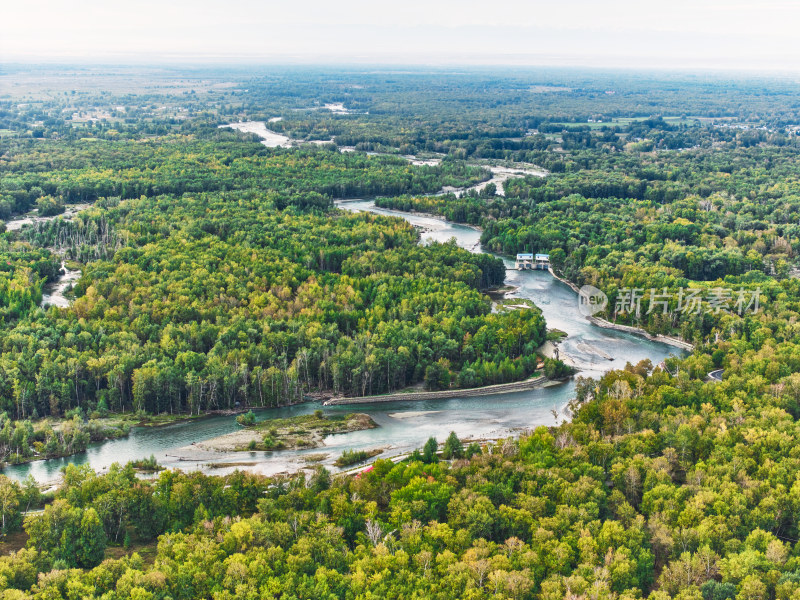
218,61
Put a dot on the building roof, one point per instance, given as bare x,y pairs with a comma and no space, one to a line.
524,256
542,257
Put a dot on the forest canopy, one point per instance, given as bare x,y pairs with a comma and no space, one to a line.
216,272
220,275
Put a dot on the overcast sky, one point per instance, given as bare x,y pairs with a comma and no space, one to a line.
730,34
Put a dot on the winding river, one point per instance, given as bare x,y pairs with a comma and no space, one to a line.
499,174
403,425
53,294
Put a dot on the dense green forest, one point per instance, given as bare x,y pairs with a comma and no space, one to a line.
216,273
723,218
681,487
227,278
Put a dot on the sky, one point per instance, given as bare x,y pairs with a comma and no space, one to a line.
673,34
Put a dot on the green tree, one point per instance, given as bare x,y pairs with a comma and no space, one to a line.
429,451
437,375
10,499
91,540
453,448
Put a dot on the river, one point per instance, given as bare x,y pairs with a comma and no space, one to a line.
53,293
271,139
403,426
500,174
33,217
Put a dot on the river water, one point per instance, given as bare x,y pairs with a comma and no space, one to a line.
271,139
500,174
33,217
53,294
403,426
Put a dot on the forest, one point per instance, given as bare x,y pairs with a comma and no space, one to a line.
217,272
252,293
660,487
723,218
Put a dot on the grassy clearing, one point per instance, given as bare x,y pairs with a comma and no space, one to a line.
13,542
147,551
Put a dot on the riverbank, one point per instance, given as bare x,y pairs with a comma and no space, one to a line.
54,294
500,388
675,342
73,438
54,439
664,339
269,138
418,213
566,282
